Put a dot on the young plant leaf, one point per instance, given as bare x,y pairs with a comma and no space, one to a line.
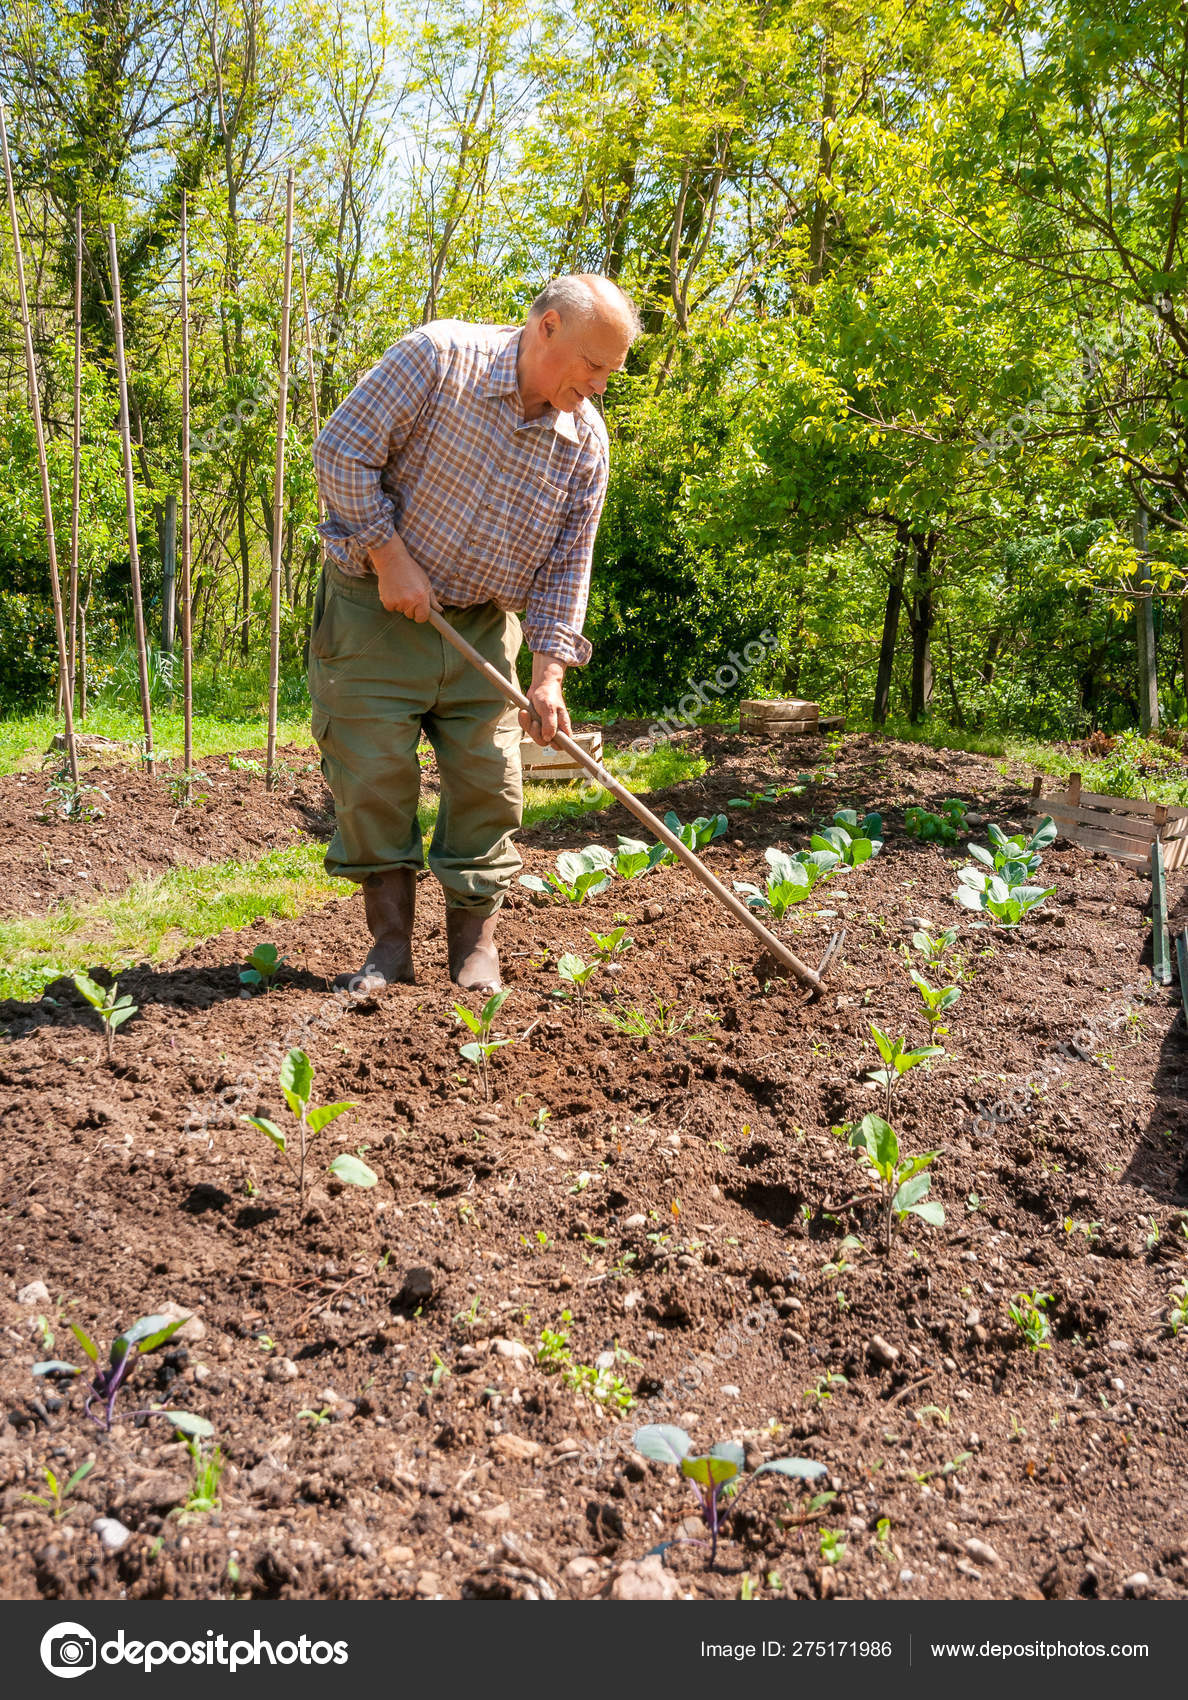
353,1170
198,1428
663,1443
276,1134
296,1080
317,1119
85,1341
55,1366
804,1469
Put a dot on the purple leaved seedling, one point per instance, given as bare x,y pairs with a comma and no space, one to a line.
717,1474
143,1336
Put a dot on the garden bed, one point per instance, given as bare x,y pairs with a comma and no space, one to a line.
393,1424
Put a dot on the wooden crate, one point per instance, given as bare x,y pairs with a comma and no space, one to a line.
554,767
785,717
1124,827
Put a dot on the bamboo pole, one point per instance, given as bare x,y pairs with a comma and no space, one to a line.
313,398
187,634
806,975
76,478
42,463
130,496
278,490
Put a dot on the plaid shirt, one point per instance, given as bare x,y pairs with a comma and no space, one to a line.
433,443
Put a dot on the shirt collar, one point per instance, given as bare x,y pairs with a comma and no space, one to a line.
501,381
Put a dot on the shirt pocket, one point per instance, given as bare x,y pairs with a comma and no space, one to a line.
536,512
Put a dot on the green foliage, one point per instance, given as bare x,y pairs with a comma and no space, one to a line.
694,835
111,1009
577,974
851,840
634,857
609,946
902,1181
483,1046
897,1060
1007,904
579,874
70,799
55,1503
263,966
792,877
770,794
207,1464
1026,1311
933,950
1015,859
943,828
936,999
296,1083
663,1020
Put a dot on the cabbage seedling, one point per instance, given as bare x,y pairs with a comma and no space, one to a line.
937,999
769,794
933,949
791,879
482,1047
579,874
263,966
634,857
145,1335
1013,859
111,1009
607,946
903,1184
898,1060
853,841
695,835
717,1474
296,1082
1007,904
577,974
943,828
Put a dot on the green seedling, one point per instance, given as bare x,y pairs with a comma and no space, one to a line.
181,789
208,1466
833,1546
263,966
694,835
943,828
937,999
70,799
55,1503
579,874
852,840
1177,1307
717,1475
933,949
1027,1313
553,1352
243,764
898,1060
482,1047
296,1082
663,1021
145,1335
608,946
1014,859
317,1418
1007,904
634,857
577,974
902,1183
769,794
111,1009
791,879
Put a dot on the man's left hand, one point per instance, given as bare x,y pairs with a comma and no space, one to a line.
549,714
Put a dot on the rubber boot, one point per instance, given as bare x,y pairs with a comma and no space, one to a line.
474,960
389,902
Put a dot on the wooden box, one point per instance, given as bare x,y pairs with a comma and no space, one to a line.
554,767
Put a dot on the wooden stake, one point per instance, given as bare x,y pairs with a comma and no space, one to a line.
1161,967
77,473
187,635
130,495
278,490
313,399
43,464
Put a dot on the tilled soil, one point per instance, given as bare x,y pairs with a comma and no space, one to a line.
403,1381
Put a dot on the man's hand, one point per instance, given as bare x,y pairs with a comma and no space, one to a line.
404,587
549,714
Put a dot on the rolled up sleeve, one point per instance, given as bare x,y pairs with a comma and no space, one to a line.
556,608
362,436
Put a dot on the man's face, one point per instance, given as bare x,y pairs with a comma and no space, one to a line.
575,359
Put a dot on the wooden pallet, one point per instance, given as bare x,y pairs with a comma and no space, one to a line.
1124,827
554,767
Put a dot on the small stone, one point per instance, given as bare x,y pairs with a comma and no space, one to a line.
972,1318
981,1553
36,1293
486,1118
729,1391
645,1579
560,1154
651,912
906,1576
639,1220
606,1360
281,1369
419,1283
396,1556
494,1515
883,1352
111,1532
515,1446
1136,1585
192,1327
515,1350
1119,1346
579,1568
428,1585
981,1334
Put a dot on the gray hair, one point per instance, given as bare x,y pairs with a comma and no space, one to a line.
586,295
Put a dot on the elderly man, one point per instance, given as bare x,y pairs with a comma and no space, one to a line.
466,473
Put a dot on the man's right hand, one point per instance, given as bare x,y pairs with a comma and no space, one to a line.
404,587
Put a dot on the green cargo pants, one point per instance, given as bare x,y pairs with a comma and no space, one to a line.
376,680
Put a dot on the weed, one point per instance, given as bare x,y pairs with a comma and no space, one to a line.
903,1184
1027,1313
111,1009
663,1021
315,1419
482,1047
208,1466
833,1546
58,1495
296,1082
770,794
823,1389
715,1475
1177,1312
263,966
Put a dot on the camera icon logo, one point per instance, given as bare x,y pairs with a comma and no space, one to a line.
68,1649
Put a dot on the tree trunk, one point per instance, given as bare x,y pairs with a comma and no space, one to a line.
920,617
882,696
